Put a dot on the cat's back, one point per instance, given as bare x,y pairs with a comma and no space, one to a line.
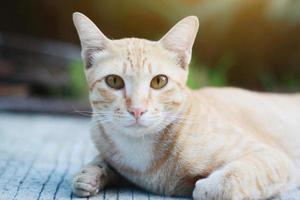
276,116
258,106
236,98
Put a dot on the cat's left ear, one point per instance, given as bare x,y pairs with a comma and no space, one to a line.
180,39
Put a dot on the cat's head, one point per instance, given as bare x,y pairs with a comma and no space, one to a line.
136,85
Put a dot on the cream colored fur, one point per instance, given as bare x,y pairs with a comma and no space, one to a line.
225,143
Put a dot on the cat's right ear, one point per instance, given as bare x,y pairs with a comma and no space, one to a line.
93,41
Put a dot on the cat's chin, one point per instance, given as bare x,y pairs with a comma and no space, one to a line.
136,126
138,131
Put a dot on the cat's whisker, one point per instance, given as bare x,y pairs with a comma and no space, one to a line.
84,113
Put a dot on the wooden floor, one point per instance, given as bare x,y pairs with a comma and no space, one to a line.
40,153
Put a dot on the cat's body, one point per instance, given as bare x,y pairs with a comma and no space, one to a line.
222,125
211,143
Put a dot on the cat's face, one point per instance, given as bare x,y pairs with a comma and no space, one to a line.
136,86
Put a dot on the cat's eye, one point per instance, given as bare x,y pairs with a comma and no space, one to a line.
114,81
159,81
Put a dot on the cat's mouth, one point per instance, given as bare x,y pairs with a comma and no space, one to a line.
136,124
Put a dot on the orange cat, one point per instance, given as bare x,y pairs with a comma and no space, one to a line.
152,130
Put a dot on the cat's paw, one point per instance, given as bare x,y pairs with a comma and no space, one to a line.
216,187
89,181
205,189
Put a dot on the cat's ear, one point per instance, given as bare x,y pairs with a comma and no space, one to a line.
180,39
93,41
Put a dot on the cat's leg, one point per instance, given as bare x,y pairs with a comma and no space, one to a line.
258,175
93,177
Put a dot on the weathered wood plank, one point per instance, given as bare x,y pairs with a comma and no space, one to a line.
24,158
125,194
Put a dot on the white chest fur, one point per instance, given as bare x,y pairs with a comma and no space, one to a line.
135,153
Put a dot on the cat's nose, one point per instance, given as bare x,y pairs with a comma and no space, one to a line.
136,112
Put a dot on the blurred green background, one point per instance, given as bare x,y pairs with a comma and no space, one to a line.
254,44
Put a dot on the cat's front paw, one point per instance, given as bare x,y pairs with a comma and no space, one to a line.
89,181
206,190
215,187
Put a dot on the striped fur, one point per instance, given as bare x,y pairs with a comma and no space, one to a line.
212,143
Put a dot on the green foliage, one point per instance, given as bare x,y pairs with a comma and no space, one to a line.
203,75
285,82
77,78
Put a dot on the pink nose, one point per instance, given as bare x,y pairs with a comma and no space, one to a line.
136,112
